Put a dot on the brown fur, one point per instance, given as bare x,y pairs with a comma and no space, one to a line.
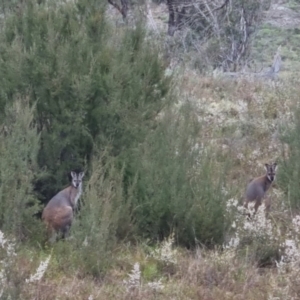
58,213
258,187
57,218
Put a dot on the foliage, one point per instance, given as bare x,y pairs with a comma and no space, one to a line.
19,146
289,173
13,281
180,183
92,84
255,237
99,88
221,30
103,212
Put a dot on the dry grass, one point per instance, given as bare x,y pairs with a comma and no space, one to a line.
199,275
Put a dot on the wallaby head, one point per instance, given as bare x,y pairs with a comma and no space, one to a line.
77,179
271,171
58,213
258,187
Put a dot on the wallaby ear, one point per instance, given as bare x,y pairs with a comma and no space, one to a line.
275,166
73,174
80,175
267,167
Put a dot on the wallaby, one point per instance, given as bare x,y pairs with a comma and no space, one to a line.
58,213
258,187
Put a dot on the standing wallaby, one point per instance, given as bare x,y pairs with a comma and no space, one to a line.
258,187
58,213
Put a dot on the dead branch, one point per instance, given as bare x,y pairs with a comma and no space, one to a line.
123,8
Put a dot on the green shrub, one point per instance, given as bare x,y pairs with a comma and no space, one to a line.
98,87
92,84
103,211
19,146
179,185
289,171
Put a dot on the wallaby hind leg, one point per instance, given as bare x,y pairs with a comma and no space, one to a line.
66,222
268,205
257,205
66,232
52,235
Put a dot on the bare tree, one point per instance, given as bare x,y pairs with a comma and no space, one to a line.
177,10
271,73
226,24
122,7
182,10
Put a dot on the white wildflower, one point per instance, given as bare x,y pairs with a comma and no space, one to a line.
2,239
9,248
134,280
168,72
242,106
85,242
165,252
281,266
40,271
233,243
255,154
291,252
251,208
290,257
156,285
296,223
7,245
240,156
258,225
224,191
231,203
241,209
2,282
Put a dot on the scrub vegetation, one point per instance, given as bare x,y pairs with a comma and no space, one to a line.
167,147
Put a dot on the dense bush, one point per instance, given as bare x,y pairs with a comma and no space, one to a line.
289,171
180,184
103,212
91,84
221,32
19,146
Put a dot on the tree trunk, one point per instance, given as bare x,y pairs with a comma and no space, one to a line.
123,9
172,25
